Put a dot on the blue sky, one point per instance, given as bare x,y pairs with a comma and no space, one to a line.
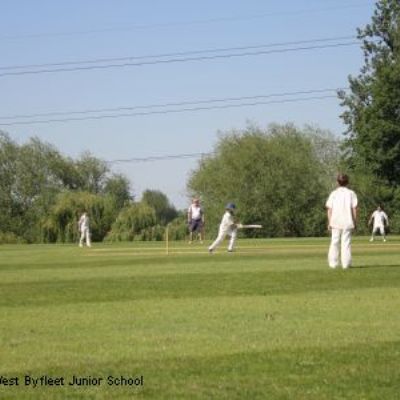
44,31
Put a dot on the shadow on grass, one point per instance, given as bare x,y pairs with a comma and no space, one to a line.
377,266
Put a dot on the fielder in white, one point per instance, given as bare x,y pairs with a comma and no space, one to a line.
226,227
342,215
83,226
380,219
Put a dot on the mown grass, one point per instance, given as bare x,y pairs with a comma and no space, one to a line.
270,321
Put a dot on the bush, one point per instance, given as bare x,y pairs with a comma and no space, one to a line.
10,238
135,222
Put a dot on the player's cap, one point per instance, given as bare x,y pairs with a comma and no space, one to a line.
230,206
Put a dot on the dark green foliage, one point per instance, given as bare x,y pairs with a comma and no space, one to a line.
372,116
372,107
165,211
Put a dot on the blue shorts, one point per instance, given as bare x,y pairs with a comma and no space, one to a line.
195,225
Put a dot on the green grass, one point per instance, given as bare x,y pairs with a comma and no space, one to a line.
270,321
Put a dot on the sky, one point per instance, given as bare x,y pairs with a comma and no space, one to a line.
124,56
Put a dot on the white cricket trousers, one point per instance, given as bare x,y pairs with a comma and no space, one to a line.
85,235
340,244
221,236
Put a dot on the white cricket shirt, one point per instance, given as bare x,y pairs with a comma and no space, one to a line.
227,221
341,201
195,212
84,222
380,218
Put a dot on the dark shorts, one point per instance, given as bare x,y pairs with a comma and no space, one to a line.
195,225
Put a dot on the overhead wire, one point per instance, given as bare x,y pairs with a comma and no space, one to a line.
178,110
175,54
170,104
159,158
178,60
182,23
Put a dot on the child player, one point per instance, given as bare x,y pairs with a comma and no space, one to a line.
226,227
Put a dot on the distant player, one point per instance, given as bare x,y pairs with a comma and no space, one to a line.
342,214
380,221
195,216
227,227
83,226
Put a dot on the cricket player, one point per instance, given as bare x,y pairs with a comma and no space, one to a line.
195,217
342,215
83,226
380,220
227,227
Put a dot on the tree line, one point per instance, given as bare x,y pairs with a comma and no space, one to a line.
43,192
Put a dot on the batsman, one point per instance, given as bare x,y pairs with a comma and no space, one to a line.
227,227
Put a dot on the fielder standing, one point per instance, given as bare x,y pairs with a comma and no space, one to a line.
380,219
83,226
227,227
342,215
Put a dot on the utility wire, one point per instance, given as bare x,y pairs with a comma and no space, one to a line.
178,110
182,23
158,158
178,60
176,54
173,104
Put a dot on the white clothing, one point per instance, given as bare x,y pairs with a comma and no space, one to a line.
380,229
227,221
380,219
226,227
85,235
341,201
83,222
84,230
195,212
341,239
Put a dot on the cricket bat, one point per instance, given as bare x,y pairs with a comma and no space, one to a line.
254,226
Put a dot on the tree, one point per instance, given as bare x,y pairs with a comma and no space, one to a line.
9,210
118,187
61,222
133,222
92,172
35,178
165,211
372,112
276,177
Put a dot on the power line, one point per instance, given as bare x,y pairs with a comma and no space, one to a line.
176,54
178,60
159,158
180,110
172,104
180,23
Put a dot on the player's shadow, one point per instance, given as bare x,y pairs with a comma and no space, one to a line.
378,266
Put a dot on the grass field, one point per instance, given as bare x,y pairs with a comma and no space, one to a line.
269,321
